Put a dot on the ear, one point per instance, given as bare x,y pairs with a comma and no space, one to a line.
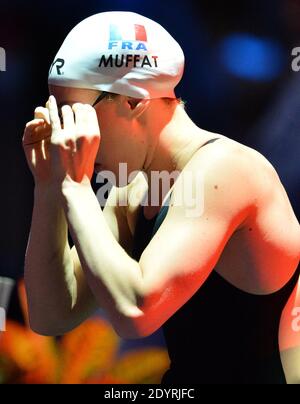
138,107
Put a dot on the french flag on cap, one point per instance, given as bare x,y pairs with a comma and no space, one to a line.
136,32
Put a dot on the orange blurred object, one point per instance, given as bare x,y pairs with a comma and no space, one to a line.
87,355
89,350
30,358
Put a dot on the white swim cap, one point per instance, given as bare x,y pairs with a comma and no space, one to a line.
122,53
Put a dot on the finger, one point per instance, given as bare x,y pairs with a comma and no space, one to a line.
80,118
34,132
30,127
93,122
68,118
86,120
54,116
42,113
34,122
81,126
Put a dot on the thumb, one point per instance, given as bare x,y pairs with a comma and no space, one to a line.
34,132
42,113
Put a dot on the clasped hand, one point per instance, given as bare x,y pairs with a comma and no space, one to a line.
62,150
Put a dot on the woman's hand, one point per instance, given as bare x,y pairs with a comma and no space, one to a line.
74,146
36,144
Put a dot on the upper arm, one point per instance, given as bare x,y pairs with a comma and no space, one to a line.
115,217
187,246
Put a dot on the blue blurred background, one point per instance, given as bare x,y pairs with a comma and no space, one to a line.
238,81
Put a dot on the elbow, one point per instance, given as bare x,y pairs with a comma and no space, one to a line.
45,332
136,321
123,327
133,327
49,323
46,329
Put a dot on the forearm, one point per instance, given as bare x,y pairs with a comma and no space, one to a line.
49,273
114,277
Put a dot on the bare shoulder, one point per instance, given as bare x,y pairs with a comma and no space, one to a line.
243,178
240,182
261,176
238,166
232,169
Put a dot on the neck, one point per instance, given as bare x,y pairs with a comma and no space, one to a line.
170,148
